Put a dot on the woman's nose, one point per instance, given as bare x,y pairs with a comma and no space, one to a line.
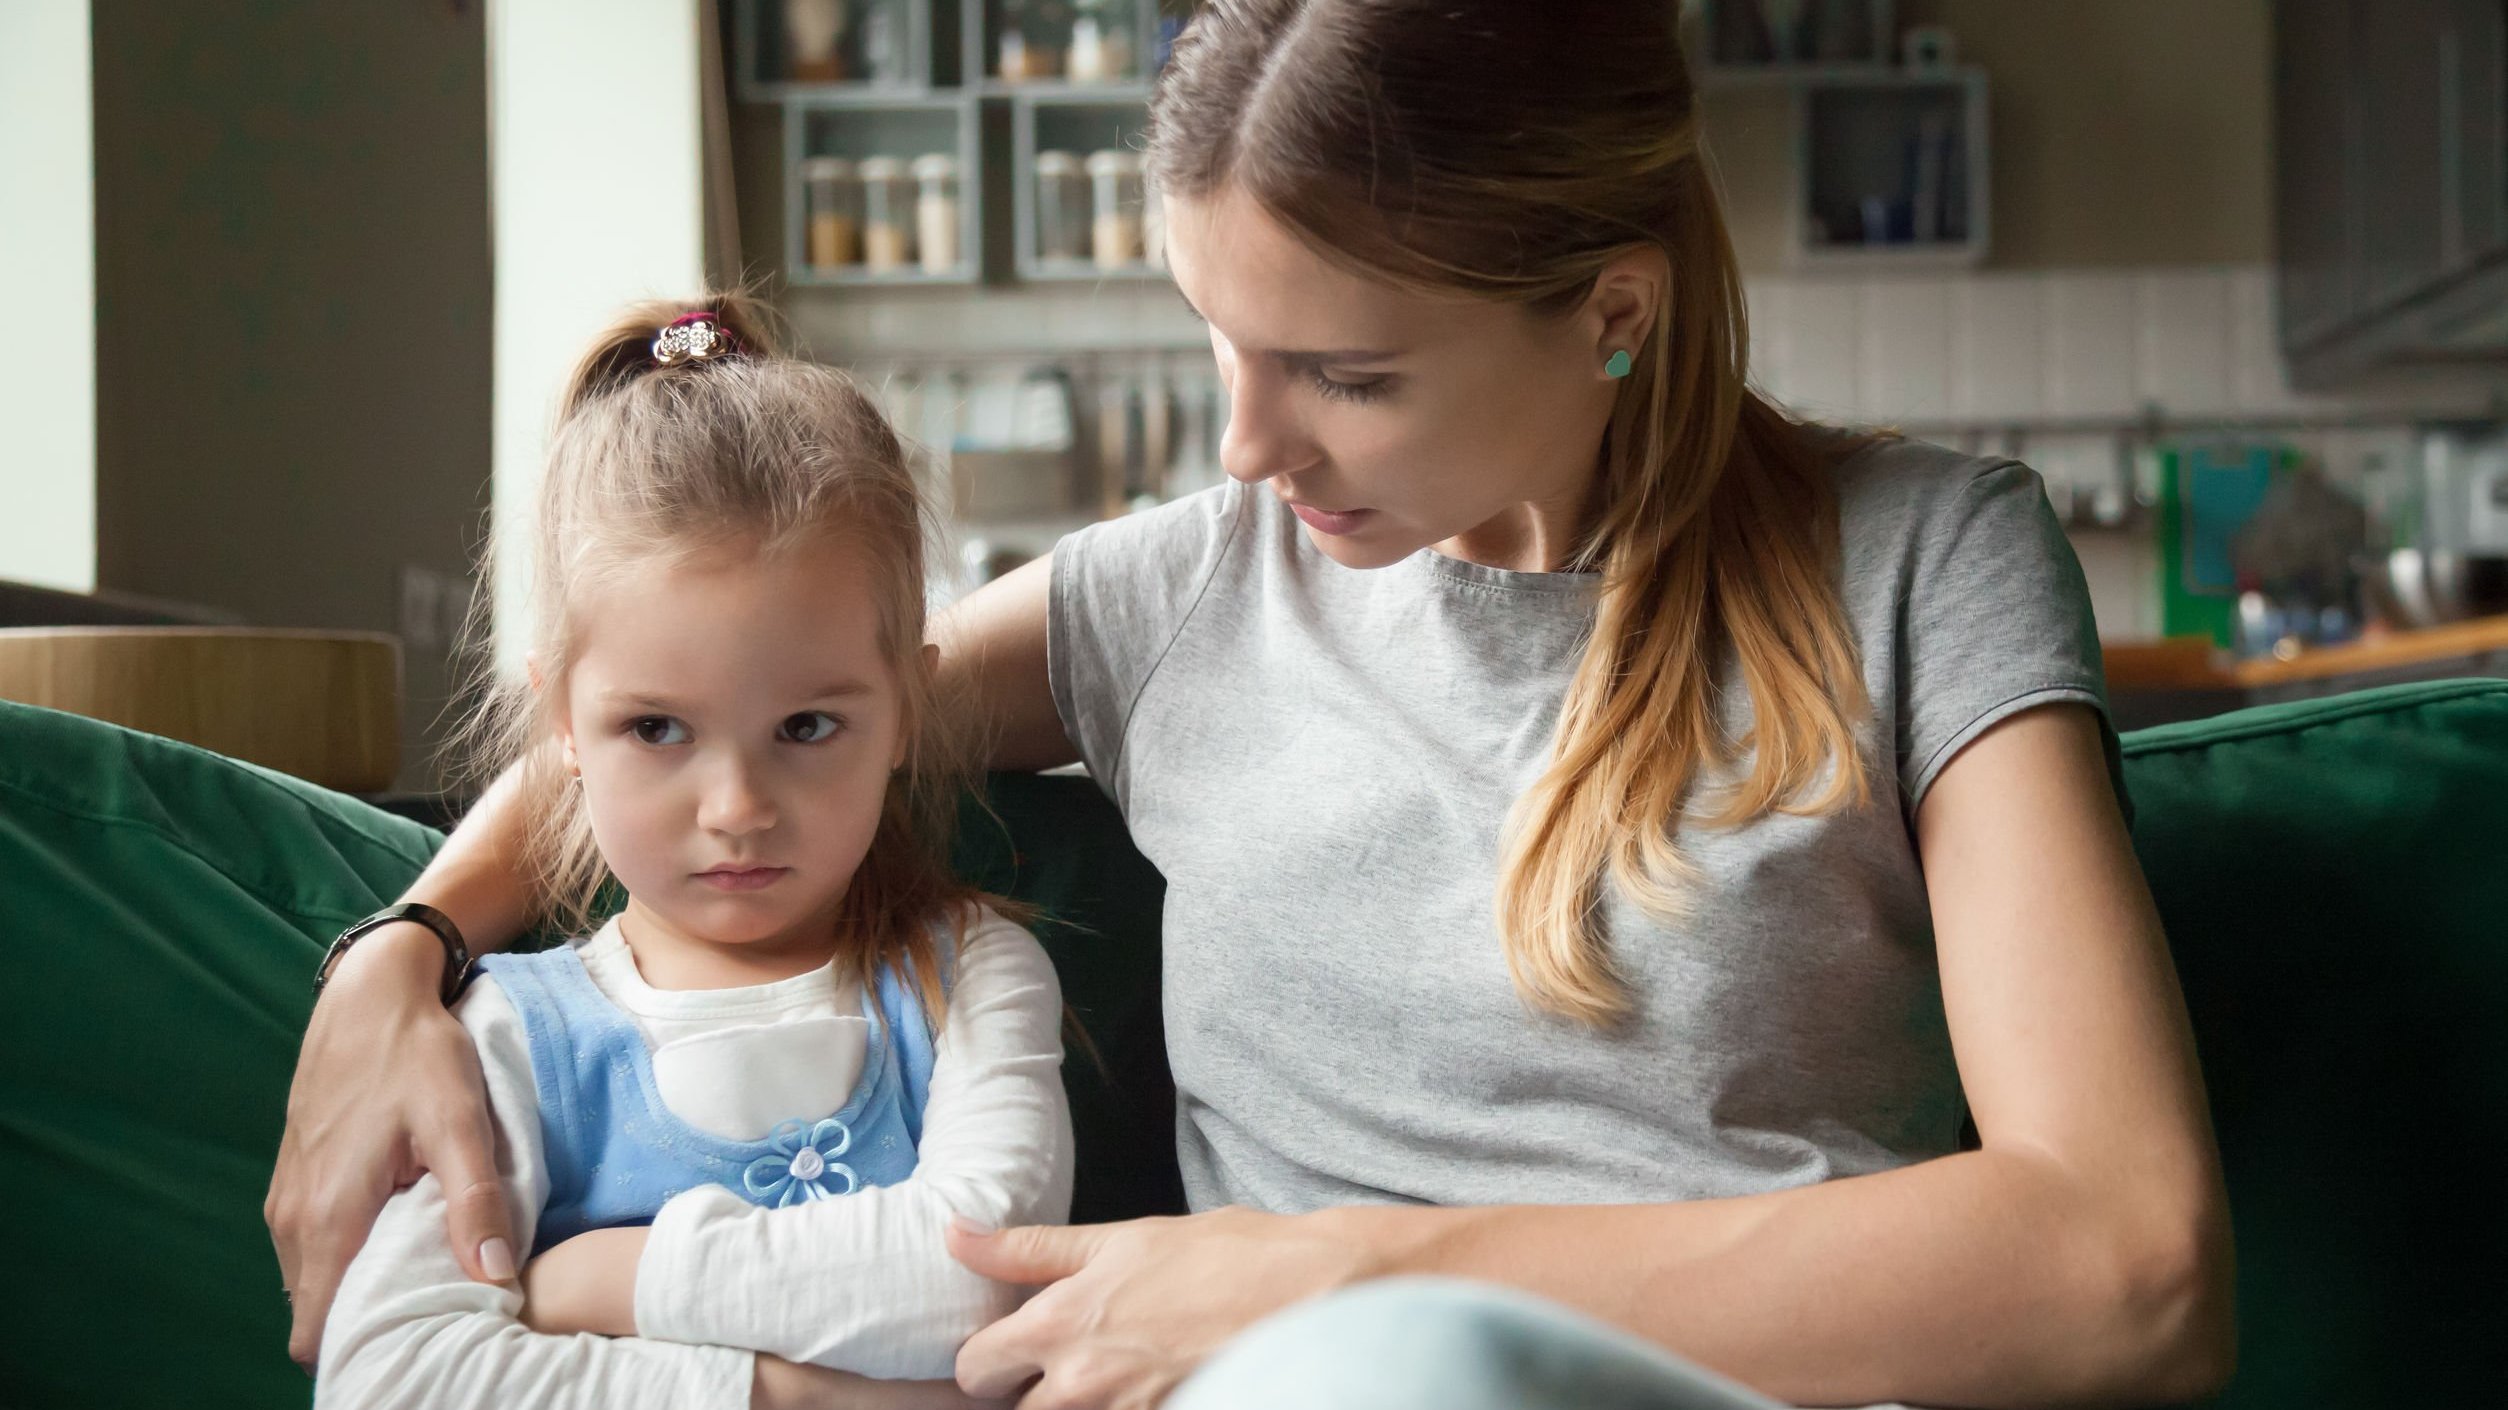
1263,440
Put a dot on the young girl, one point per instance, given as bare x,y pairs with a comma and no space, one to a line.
800,1031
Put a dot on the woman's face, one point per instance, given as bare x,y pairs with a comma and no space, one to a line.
1392,421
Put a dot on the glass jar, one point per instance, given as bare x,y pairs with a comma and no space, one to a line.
880,37
814,33
887,214
936,212
1102,42
1029,46
832,199
1116,231
1062,208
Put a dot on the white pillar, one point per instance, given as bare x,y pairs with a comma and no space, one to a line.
48,268
595,154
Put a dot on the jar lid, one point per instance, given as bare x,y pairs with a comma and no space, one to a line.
826,169
1114,162
935,165
881,169
1057,164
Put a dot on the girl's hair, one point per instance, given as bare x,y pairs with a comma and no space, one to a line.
753,453
1510,150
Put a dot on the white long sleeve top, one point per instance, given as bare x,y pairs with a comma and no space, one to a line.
861,1283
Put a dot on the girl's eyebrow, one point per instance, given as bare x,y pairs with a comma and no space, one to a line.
665,704
1310,359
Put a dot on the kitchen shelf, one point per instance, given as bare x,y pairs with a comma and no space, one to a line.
761,49
1906,146
980,22
857,127
1078,121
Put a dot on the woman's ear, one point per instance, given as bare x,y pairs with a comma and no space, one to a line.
1628,296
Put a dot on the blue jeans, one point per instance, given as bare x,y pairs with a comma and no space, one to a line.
1441,1344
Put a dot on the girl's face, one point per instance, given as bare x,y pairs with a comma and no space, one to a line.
1393,421
735,723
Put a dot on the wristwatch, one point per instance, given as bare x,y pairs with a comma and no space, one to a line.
459,968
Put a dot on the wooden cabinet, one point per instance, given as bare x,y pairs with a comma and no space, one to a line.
2391,183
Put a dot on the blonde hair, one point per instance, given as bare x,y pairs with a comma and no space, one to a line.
755,452
1510,151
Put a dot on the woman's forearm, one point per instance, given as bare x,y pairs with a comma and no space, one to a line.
473,878
1984,1278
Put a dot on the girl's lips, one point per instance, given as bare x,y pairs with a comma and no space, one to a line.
1325,521
743,878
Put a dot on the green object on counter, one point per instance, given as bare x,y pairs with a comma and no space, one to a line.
2328,871
2206,495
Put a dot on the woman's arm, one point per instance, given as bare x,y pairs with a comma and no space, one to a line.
864,1283
993,669
2082,1255
387,1085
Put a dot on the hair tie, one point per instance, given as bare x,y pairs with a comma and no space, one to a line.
693,337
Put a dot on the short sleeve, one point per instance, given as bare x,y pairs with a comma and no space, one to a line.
1996,619
1122,591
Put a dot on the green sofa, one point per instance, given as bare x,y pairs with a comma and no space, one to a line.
2334,875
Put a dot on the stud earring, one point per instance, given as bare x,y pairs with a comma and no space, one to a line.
1618,366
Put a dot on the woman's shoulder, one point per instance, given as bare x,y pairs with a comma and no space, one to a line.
1898,481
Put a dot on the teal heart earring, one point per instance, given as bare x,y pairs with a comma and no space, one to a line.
1618,366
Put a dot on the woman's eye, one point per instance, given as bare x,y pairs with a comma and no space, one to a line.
658,729
1347,391
811,726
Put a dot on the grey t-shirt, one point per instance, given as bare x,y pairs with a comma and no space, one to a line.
1320,760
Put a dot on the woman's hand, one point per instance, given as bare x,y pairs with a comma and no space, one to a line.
586,1284
1133,1308
387,1088
783,1385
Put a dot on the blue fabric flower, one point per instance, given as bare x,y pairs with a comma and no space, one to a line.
804,1166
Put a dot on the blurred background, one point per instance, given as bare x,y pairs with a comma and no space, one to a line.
294,285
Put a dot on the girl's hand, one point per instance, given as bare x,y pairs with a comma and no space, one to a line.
387,1088
586,1284
782,1385
1133,1308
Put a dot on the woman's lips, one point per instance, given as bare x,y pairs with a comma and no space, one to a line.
743,878
1326,521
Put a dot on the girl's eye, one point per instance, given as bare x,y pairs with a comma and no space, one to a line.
1346,391
658,730
811,727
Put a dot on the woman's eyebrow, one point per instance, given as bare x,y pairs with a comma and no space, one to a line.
1309,359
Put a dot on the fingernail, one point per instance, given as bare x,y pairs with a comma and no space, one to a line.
496,1259
972,1228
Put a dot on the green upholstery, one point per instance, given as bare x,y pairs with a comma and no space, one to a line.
2332,874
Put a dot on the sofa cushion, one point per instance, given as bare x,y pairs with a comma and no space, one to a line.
161,912
2334,878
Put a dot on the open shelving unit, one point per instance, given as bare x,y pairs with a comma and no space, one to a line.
939,88
860,126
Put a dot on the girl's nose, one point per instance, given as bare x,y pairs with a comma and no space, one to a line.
735,802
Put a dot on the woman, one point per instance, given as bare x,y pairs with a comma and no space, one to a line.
1614,834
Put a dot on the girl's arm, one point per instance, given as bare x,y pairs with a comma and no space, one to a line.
411,1328
2083,1255
865,1283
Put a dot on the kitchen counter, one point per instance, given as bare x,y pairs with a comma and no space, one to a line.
2156,682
